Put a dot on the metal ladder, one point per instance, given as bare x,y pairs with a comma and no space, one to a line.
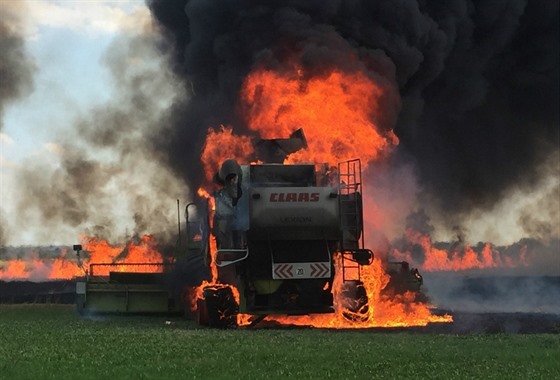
350,211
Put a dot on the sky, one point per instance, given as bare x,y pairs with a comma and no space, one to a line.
79,61
65,41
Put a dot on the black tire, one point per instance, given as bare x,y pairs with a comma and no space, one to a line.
220,307
356,308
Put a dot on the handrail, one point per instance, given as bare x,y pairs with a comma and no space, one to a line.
222,264
126,266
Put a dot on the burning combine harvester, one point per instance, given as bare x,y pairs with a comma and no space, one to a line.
279,230
275,239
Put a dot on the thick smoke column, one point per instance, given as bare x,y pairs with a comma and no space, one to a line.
16,72
490,115
478,79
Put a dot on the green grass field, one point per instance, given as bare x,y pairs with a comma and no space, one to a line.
54,342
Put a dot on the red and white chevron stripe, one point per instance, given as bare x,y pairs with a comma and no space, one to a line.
282,271
288,271
319,270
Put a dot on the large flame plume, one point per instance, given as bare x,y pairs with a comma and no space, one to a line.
338,111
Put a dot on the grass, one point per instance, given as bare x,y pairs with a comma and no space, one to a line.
54,342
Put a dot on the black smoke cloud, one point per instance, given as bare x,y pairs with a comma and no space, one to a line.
478,79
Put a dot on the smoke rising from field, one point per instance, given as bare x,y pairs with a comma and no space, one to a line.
478,82
491,292
102,176
16,68
16,76
3,228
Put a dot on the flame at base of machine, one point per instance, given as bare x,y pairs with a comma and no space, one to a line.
396,310
380,310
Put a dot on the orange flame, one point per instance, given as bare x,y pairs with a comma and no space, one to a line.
36,269
14,269
221,145
454,259
99,252
63,269
340,113
124,257
381,311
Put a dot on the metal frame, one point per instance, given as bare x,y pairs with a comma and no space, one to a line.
221,265
94,265
350,182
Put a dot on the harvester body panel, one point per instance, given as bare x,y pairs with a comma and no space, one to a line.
283,211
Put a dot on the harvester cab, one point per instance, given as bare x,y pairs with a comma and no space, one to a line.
278,231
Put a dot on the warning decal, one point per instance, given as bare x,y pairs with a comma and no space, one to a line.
282,271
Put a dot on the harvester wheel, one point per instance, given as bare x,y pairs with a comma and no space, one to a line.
219,309
356,306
